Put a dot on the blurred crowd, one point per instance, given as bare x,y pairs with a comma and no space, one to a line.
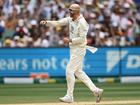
112,22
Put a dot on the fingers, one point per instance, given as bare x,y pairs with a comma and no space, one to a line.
66,40
43,22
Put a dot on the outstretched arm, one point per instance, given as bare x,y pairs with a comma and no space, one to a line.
61,22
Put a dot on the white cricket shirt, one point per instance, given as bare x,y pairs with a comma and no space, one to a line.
77,30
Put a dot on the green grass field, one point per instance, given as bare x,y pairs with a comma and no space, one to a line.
46,93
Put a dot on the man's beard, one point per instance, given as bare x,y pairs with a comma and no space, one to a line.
71,15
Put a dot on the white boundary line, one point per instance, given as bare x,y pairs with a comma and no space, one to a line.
125,102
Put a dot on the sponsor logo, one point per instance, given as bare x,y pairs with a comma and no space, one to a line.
133,62
113,58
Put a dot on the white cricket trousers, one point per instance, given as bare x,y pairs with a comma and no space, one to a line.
74,68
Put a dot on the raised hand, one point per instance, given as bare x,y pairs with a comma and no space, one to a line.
43,22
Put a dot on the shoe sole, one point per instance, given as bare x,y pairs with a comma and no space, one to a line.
64,101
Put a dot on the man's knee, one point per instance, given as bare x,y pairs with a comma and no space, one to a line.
69,72
70,67
80,74
77,73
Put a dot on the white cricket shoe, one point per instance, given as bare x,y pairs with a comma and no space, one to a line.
98,95
66,99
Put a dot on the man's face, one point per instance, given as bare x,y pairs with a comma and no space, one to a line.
72,13
74,10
